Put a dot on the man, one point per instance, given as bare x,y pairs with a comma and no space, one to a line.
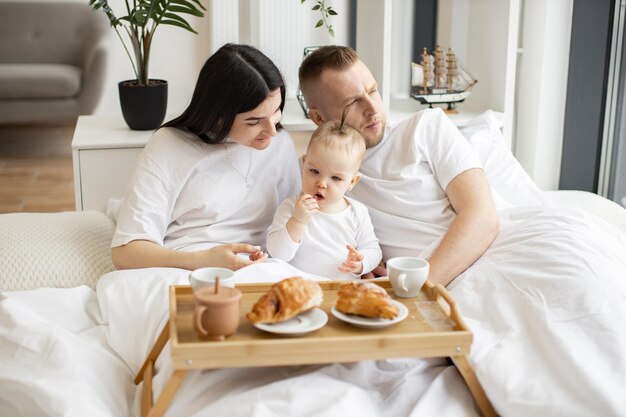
426,191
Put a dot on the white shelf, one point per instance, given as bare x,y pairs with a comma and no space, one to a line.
294,119
98,132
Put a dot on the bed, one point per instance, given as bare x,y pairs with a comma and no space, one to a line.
74,332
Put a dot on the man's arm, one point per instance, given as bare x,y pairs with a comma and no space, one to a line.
476,225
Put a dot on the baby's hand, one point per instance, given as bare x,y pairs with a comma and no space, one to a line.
354,261
305,208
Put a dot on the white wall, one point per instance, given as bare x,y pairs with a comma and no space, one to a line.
542,89
529,88
484,36
176,56
281,28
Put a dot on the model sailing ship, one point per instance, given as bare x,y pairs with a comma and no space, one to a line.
440,79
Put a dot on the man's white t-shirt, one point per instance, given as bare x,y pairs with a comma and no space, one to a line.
189,195
404,178
323,247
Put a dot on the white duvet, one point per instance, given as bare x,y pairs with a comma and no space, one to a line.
546,303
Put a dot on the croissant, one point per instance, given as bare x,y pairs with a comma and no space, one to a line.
286,299
365,299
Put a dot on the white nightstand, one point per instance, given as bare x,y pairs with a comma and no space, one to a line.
104,154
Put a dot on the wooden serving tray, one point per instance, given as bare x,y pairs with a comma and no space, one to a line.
433,328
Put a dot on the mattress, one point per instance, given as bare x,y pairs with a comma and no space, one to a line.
592,203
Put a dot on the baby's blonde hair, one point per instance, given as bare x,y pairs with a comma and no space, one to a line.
339,136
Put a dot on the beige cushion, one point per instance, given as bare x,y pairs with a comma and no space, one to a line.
39,81
54,249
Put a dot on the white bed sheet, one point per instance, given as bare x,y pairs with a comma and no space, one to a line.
546,303
55,359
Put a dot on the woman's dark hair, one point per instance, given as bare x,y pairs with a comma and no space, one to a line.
235,79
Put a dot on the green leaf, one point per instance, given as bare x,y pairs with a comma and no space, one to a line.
187,5
194,1
180,25
316,7
332,12
178,9
175,18
331,31
319,23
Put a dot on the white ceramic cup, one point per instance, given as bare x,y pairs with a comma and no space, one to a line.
205,277
407,275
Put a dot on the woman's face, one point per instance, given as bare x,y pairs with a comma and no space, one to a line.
257,127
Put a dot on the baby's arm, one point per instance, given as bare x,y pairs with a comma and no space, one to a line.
367,242
279,242
306,206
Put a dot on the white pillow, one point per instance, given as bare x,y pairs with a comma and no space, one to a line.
504,172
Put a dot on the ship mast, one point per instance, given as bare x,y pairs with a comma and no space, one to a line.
452,70
428,67
440,67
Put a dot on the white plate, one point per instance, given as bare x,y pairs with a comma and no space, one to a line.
372,323
303,323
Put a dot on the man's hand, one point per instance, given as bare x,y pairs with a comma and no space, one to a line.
354,261
379,271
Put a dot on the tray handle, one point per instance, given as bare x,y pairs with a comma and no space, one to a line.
438,293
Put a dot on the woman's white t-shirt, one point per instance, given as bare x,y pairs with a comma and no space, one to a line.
189,195
404,178
323,247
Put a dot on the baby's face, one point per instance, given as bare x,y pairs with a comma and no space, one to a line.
327,174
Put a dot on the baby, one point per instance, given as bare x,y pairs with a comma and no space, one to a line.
322,231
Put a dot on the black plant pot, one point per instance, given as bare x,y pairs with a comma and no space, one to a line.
143,106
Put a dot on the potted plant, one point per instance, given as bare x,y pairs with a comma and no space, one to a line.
144,100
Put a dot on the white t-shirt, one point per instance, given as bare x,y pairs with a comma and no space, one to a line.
189,195
404,178
323,246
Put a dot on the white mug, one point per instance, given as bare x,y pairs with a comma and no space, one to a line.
407,275
205,277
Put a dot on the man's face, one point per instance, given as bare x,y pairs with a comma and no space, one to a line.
356,90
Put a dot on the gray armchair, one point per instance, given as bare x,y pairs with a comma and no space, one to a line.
52,60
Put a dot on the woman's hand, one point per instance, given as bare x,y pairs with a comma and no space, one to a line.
305,208
226,256
354,261
259,256
146,254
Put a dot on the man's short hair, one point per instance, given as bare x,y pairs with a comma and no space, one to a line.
333,57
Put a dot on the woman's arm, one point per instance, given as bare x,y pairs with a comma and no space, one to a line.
146,254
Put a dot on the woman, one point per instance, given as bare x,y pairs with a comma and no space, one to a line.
213,176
